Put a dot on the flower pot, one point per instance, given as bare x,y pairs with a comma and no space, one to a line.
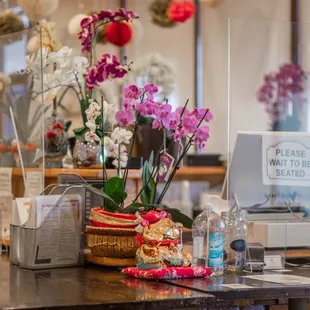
111,234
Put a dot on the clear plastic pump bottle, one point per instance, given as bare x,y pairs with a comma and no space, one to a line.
208,240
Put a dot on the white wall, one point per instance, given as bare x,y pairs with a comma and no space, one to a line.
256,49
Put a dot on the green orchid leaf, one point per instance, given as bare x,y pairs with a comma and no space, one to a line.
151,161
109,200
68,125
80,131
132,209
148,183
177,216
115,189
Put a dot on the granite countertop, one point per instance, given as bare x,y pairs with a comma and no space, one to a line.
90,287
248,292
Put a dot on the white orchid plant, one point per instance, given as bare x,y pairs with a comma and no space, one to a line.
55,73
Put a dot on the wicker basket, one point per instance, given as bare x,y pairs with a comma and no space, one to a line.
111,242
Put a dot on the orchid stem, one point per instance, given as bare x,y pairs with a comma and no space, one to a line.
176,167
104,169
130,151
119,174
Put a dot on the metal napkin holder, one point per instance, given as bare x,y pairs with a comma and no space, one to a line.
24,244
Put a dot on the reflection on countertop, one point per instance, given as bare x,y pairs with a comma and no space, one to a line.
89,287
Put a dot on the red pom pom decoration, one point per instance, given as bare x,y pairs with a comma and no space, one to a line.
180,12
118,33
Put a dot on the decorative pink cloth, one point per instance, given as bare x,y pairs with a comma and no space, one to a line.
168,273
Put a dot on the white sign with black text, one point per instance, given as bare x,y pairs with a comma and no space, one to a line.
286,160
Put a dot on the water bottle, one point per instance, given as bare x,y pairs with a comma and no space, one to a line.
235,241
208,240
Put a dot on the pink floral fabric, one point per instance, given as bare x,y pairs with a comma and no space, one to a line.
168,273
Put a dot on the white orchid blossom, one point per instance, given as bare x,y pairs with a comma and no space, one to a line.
108,109
91,136
108,143
121,135
93,110
60,69
119,152
92,126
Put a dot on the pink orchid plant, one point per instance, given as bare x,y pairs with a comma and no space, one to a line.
279,90
185,127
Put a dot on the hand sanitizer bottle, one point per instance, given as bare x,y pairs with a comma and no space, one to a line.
208,240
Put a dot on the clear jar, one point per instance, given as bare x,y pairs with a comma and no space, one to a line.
85,154
235,241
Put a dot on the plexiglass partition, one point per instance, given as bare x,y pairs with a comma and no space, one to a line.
21,121
268,136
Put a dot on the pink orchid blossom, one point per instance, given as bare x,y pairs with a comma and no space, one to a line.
179,134
163,111
125,14
279,88
199,113
183,111
89,23
109,15
190,124
150,88
157,124
132,91
129,104
172,121
108,67
124,118
152,107
201,137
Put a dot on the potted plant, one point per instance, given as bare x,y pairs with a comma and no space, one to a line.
283,95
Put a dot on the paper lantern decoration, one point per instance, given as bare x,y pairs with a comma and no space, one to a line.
10,23
212,3
36,9
180,12
158,10
74,24
118,33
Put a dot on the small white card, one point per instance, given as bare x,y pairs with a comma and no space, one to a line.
236,286
281,279
6,180
34,181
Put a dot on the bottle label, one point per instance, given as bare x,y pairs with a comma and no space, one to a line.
216,252
197,247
